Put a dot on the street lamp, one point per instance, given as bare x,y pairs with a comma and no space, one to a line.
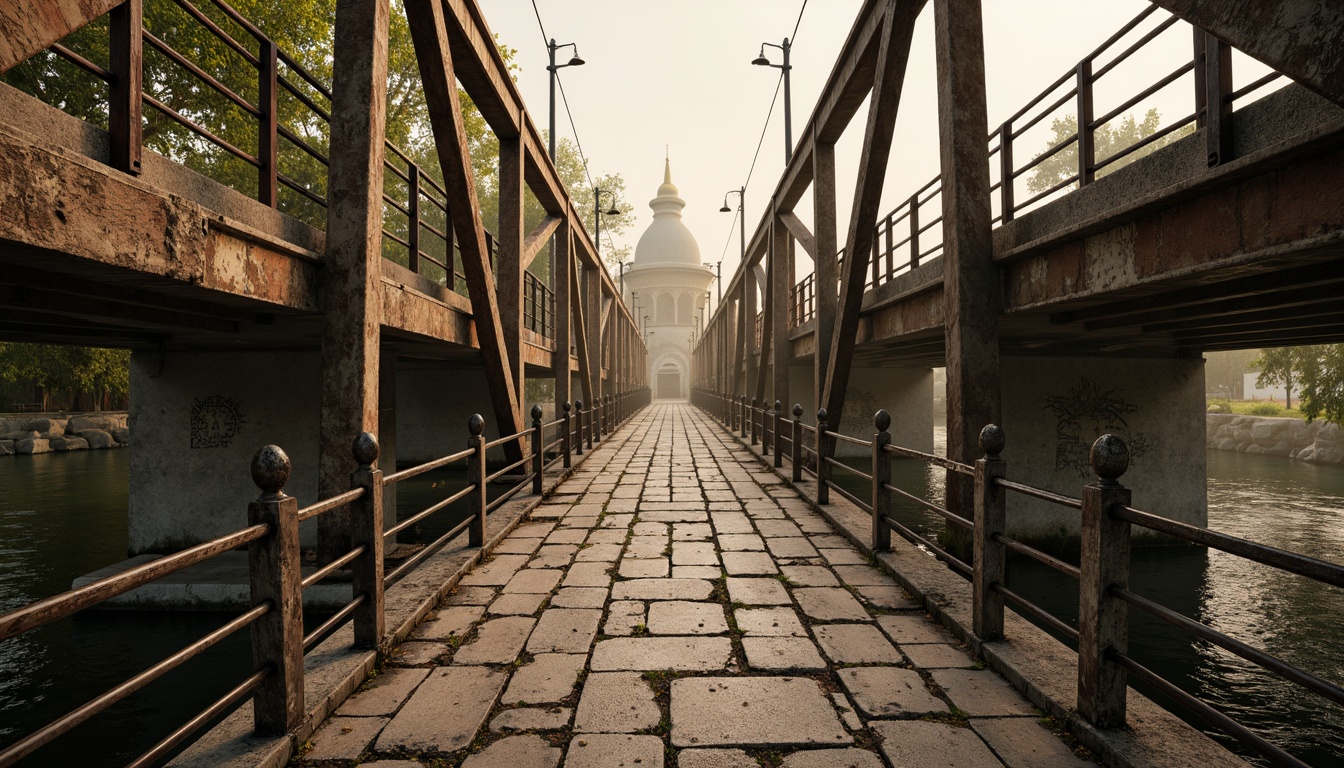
597,215
761,61
718,278
574,61
741,193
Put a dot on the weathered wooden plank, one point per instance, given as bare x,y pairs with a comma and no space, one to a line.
352,269
27,28
429,34
581,336
896,35
561,266
825,271
781,280
799,230
509,258
536,240
1299,38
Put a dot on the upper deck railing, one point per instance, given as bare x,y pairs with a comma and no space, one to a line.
911,234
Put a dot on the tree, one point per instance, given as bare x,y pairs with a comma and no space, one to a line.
1108,139
104,373
1318,372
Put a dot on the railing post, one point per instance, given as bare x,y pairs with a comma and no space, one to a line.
565,446
823,477
578,427
796,444
274,577
589,425
766,421
752,414
779,440
537,448
125,101
476,476
366,530
1006,191
914,230
1102,619
1086,147
990,556
881,479
742,416
268,125
413,234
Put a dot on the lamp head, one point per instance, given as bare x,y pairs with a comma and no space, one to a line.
613,211
725,208
575,61
760,59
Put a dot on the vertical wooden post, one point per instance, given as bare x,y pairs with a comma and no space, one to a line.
1087,152
268,124
972,281
274,577
990,556
509,270
366,530
578,427
752,414
779,439
1006,191
352,265
767,419
1102,619
538,446
564,314
126,63
881,499
413,233
476,476
566,441
796,444
914,231
823,474
825,290
1217,67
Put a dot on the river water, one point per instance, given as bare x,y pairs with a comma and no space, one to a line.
62,515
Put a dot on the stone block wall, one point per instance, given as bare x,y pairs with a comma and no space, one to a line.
1318,442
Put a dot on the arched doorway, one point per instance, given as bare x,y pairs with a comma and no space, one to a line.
668,382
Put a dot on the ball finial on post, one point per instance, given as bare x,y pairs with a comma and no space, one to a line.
536,412
270,469
821,415
797,410
779,407
1109,458
992,440
882,420
567,405
476,425
365,449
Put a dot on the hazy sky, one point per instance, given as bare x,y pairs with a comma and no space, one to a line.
678,73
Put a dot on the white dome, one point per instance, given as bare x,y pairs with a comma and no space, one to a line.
667,240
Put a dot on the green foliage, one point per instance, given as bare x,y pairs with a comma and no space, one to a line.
1115,136
72,370
1318,371
1265,409
1220,405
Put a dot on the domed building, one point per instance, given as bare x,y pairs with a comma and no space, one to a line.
668,285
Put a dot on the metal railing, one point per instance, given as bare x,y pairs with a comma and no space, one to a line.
1106,518
538,306
275,618
911,235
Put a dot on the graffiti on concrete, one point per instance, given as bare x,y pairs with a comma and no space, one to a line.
215,421
1085,413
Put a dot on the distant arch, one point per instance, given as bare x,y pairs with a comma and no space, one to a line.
665,310
684,309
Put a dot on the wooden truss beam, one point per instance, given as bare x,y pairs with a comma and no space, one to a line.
27,28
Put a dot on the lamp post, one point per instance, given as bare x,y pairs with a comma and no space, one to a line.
597,215
622,264
761,61
718,278
741,193
574,61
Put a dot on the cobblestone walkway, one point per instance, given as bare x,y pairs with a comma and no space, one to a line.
675,604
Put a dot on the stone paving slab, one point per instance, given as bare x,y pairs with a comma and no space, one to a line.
445,712
769,622
757,591
715,758
833,758
748,711
532,719
565,630
679,617
662,589
855,644
384,694
683,654
889,692
830,604
981,693
498,641
580,597
781,654
599,750
516,752
549,678
520,604
923,744
345,738
616,702
1024,741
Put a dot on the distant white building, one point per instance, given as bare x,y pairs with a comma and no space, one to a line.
668,285
1252,392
